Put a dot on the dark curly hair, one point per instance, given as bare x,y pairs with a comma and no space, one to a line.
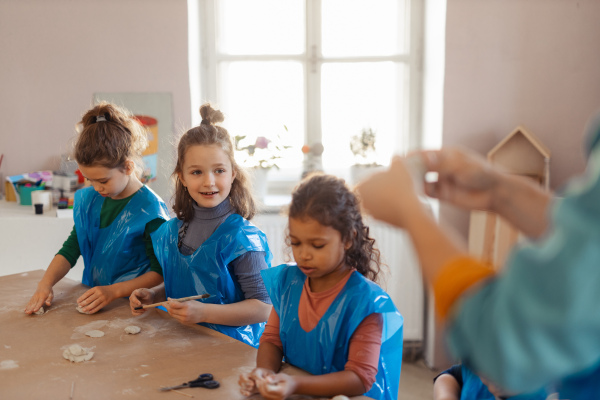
328,200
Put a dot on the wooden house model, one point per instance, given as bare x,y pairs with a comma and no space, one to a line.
490,236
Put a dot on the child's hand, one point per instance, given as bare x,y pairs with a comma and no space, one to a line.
42,296
95,299
187,312
248,382
247,385
277,387
140,297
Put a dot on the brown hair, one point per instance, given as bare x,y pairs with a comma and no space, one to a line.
328,200
205,134
109,136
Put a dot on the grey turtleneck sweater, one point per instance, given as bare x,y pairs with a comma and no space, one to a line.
246,268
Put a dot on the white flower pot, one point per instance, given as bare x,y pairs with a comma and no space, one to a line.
260,183
359,172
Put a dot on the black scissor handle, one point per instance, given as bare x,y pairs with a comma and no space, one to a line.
205,384
204,377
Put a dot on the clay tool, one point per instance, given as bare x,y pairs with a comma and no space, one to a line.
178,391
162,303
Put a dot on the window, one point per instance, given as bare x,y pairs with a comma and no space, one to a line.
324,69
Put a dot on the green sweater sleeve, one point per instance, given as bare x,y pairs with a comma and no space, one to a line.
151,227
70,249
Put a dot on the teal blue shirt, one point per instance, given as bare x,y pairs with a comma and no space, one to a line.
539,321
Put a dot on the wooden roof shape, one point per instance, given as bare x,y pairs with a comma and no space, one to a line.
521,152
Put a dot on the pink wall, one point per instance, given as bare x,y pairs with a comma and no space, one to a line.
534,63
55,54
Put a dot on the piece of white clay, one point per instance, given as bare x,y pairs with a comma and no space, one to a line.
340,397
40,311
80,310
133,330
76,353
8,364
94,333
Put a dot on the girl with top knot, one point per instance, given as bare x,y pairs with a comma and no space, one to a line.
211,247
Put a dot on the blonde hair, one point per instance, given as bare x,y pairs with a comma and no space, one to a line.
205,134
109,136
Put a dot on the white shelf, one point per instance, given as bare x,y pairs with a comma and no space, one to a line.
29,241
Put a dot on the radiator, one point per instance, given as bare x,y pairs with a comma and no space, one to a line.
402,277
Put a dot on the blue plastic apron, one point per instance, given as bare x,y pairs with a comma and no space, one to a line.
474,389
583,385
329,340
205,271
116,253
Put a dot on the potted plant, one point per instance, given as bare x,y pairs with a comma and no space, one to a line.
362,146
259,157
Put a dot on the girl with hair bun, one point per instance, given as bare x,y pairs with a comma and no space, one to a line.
211,248
113,218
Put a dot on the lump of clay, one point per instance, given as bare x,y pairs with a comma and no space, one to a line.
76,353
94,333
80,310
340,397
133,330
9,364
40,311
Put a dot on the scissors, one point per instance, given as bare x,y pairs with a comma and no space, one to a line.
204,380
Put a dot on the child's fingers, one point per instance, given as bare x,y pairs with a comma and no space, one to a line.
90,301
271,390
247,386
84,297
34,305
176,305
49,299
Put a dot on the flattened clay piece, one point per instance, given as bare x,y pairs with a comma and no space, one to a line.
80,310
94,333
76,353
133,330
9,364
40,311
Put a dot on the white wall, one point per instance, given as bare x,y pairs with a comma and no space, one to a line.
55,54
521,62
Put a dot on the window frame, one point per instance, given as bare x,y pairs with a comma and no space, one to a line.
312,61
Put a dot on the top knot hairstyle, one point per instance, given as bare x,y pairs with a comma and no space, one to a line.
206,134
109,136
328,200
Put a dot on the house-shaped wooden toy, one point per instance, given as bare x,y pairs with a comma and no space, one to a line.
490,236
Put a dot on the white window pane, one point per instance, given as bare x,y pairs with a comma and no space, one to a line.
360,96
261,26
363,27
259,99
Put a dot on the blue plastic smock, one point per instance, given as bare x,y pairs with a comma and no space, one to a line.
324,349
116,253
474,389
206,271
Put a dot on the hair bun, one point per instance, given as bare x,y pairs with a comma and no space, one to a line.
210,116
